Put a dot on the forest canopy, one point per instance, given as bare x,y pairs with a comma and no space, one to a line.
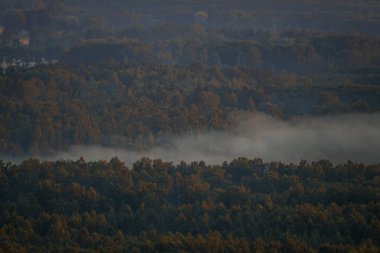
140,75
238,206
129,73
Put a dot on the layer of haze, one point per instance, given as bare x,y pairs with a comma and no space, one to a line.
353,137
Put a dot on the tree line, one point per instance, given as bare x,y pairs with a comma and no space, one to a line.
49,108
156,206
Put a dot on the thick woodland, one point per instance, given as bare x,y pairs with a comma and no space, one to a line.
131,73
239,206
130,92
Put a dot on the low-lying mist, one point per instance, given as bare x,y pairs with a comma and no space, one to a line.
353,137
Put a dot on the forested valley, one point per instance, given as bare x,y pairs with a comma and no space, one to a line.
177,70
136,75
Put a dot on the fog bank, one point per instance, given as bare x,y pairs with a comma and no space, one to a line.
353,137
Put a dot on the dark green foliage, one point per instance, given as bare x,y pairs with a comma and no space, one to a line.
245,205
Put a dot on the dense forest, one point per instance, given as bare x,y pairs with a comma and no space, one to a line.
239,206
136,74
48,108
127,77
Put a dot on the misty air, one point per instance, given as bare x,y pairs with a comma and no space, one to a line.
189,126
